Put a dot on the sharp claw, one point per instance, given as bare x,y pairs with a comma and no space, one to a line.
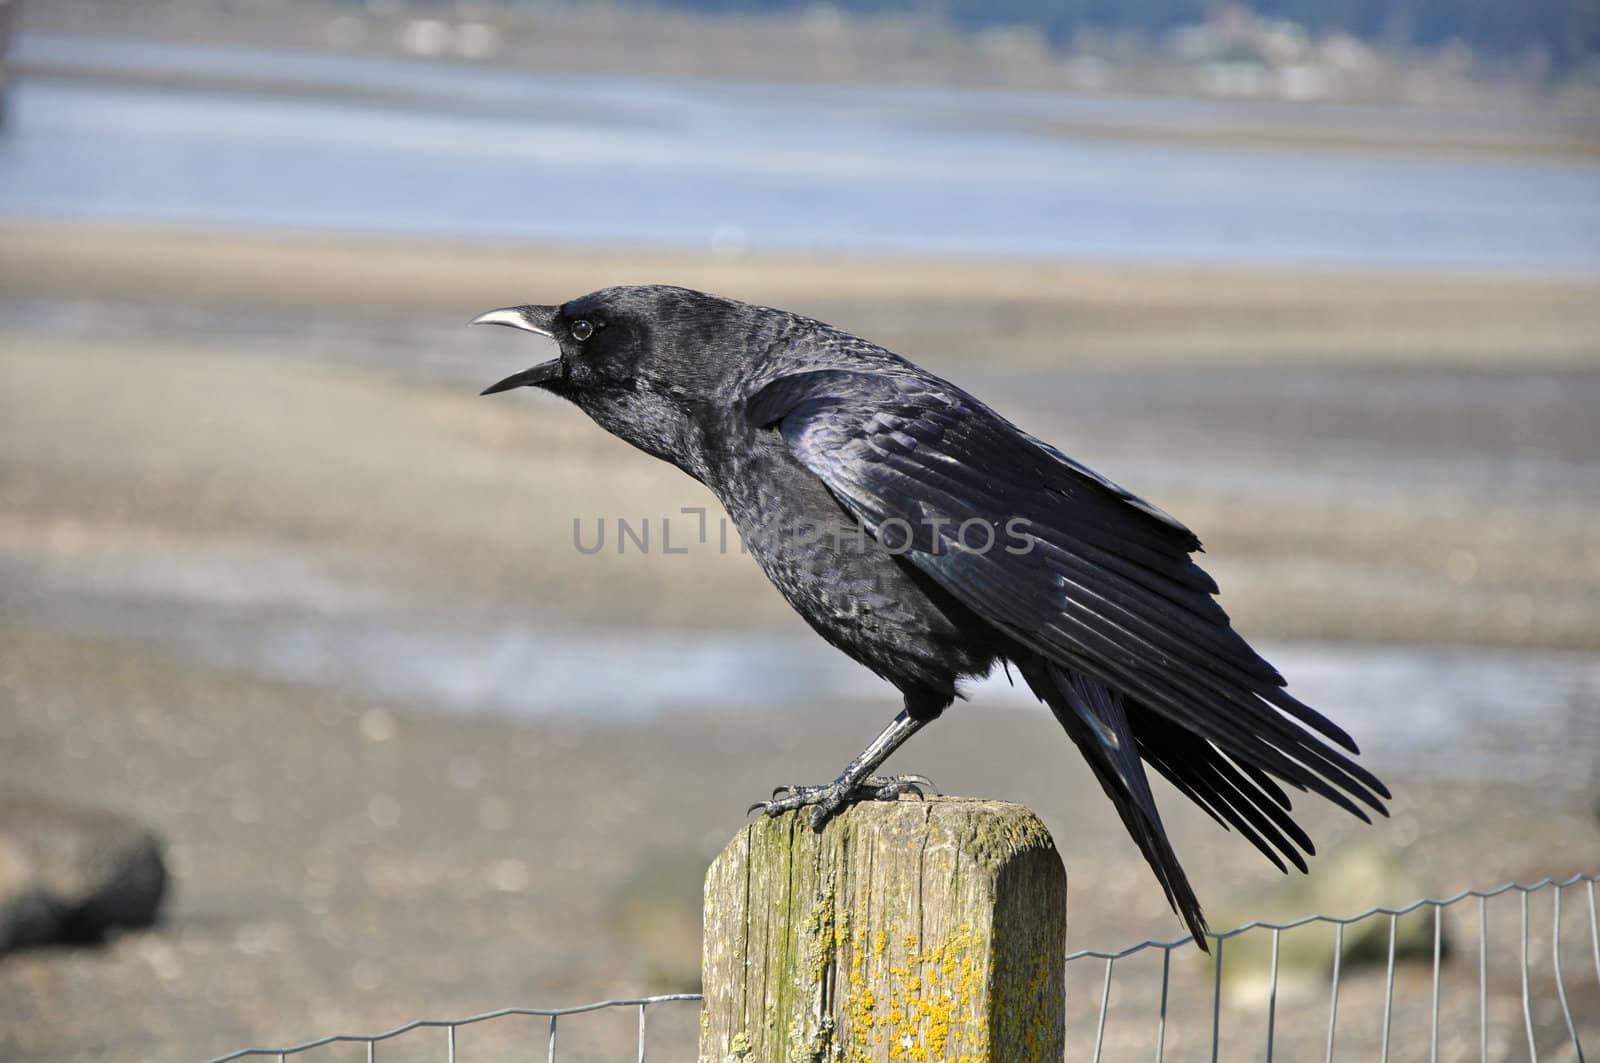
828,801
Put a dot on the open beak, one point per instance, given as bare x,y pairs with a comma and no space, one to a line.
538,319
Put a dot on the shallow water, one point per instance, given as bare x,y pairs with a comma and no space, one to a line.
1454,712
464,151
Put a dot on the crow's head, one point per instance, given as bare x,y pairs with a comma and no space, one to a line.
641,361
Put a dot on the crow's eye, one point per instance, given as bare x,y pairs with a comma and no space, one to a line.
582,330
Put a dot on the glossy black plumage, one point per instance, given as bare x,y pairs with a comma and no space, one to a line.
980,544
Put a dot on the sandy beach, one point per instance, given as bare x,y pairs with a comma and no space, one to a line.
1405,458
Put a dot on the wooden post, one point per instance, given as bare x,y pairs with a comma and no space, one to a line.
915,930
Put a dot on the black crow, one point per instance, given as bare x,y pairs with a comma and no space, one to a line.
929,538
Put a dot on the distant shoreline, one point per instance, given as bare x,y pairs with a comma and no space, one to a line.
1507,142
1516,129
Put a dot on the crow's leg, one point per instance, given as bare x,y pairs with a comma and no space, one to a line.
856,782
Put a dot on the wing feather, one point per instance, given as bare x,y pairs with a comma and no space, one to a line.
1108,588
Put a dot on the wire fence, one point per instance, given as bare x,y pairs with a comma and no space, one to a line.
1227,1007
452,1029
1446,1018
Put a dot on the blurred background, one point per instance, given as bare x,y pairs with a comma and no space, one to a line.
288,603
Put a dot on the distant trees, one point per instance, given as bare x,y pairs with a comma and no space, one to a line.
1566,31
1561,32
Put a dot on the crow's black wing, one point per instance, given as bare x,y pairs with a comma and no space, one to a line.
1102,584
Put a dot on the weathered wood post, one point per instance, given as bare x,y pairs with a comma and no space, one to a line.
914,930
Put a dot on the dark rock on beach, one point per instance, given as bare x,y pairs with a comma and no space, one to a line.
73,874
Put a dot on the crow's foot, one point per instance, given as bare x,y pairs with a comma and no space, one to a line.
828,801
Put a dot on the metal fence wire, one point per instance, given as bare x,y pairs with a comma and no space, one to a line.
1292,1008
1422,981
447,1045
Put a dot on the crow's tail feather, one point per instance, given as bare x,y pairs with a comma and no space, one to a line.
1095,718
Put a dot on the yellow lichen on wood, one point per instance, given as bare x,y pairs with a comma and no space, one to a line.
918,930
